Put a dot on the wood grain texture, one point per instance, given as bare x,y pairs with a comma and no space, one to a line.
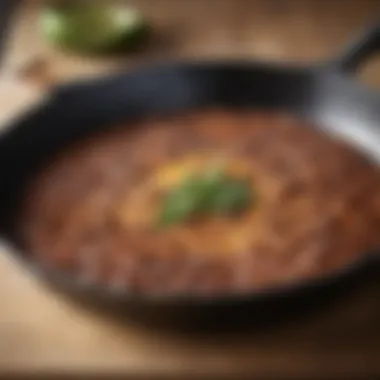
40,332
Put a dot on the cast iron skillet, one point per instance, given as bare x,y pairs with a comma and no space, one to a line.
325,94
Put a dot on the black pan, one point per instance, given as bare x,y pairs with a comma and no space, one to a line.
325,94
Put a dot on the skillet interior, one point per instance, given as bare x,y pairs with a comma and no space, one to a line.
319,96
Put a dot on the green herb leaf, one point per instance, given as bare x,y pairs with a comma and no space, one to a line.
181,202
90,27
209,193
232,197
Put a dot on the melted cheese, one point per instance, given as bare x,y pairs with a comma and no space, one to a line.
211,235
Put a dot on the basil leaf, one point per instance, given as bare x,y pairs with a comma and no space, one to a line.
232,197
182,202
202,195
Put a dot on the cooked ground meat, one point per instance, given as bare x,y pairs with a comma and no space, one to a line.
316,209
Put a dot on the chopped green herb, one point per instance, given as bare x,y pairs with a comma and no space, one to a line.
209,193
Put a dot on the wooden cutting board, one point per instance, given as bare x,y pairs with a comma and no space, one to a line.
41,332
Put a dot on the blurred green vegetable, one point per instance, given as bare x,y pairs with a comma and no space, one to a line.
210,193
93,27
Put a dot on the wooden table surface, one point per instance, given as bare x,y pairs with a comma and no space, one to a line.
40,332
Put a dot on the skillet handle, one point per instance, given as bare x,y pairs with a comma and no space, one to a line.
358,52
